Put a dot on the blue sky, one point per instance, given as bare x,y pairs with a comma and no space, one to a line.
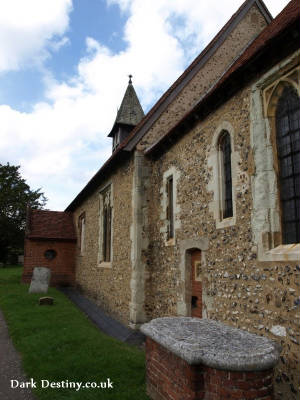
64,68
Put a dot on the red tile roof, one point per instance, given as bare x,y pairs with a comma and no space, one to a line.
43,224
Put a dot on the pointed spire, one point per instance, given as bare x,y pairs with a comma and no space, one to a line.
130,112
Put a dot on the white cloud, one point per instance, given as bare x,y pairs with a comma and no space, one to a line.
57,45
26,29
62,142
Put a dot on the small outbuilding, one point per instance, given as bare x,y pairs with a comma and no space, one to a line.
50,241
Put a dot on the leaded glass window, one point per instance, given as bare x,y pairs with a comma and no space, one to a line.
81,225
225,161
288,153
106,224
170,208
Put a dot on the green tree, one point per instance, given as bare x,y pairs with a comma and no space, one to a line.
15,196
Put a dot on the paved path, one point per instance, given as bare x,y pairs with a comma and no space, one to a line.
103,321
10,368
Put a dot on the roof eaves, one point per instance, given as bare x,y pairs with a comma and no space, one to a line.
95,180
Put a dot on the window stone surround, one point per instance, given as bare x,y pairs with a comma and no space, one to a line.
101,263
215,185
265,216
175,173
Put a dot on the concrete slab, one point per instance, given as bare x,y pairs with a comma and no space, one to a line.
103,321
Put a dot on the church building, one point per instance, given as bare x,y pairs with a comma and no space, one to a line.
196,212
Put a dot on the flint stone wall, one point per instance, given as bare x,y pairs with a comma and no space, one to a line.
108,284
238,289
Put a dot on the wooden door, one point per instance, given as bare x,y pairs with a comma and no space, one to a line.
196,298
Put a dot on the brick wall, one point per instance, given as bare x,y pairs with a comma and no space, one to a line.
171,378
62,266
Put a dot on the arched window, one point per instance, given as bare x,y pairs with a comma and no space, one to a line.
225,175
288,153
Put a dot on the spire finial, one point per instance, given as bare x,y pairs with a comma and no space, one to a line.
130,76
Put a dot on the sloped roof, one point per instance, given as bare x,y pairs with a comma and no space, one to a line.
255,53
137,133
43,224
130,112
142,128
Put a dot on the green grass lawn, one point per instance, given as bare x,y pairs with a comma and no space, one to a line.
58,343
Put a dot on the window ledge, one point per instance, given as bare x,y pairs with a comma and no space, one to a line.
170,242
286,250
283,252
104,264
224,223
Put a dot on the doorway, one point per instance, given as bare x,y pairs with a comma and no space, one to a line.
196,285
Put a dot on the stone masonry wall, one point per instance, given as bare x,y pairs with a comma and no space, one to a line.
248,28
260,297
109,286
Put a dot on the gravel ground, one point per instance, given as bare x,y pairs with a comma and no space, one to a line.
10,368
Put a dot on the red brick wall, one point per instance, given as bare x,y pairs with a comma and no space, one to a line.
171,378
62,266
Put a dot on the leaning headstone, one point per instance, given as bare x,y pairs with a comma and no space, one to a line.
46,301
21,259
40,280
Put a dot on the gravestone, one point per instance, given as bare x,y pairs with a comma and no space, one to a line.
46,301
40,280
